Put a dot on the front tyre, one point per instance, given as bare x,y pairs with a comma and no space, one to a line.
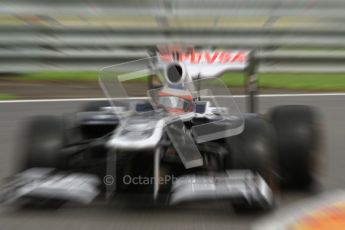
298,136
43,138
254,149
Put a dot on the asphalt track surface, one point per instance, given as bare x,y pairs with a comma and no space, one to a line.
121,215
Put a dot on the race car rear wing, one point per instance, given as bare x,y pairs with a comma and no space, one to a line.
201,64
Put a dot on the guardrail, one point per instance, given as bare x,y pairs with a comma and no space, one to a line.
79,35
269,61
56,38
37,48
318,8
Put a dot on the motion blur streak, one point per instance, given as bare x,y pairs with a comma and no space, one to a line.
122,215
87,35
39,38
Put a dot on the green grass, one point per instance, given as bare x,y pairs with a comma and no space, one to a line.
62,76
59,76
296,81
7,97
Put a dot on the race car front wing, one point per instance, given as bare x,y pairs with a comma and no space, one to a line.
47,184
83,188
241,184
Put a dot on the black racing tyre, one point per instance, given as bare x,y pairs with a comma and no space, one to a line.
298,141
43,138
254,149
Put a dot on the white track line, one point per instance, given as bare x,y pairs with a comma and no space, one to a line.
235,96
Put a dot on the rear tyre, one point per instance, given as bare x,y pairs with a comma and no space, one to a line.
254,149
298,139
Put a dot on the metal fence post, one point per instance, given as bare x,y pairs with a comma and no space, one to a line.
251,83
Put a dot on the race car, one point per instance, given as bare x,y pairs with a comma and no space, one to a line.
182,139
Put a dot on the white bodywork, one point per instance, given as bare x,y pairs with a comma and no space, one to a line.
208,63
232,184
44,183
142,136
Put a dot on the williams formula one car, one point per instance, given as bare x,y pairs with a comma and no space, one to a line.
170,128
